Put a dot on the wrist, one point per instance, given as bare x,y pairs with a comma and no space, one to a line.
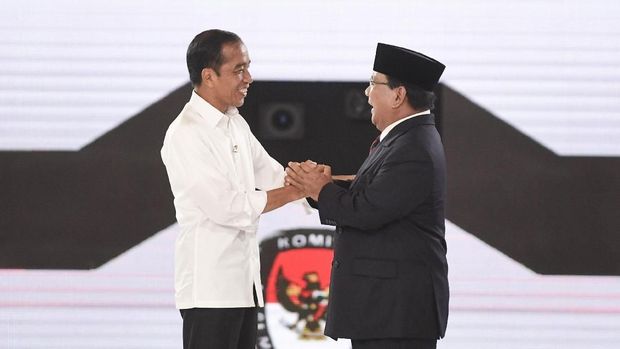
294,193
316,194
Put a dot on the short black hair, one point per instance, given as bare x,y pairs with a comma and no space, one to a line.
205,51
417,97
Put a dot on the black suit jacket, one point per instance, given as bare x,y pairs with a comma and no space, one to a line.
389,274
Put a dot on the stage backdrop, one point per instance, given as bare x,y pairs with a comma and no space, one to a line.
529,114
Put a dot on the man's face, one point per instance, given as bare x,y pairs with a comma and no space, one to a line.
380,97
231,85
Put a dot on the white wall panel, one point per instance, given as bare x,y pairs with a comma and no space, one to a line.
550,68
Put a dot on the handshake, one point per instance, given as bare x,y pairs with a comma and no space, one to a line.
309,178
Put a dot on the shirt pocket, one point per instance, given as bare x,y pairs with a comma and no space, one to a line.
378,268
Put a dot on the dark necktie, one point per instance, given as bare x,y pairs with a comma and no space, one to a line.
374,145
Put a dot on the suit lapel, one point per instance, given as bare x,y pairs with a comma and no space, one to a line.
371,159
386,143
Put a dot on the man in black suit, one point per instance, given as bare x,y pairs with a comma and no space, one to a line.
389,281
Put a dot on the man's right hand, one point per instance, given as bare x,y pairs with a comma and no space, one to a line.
309,177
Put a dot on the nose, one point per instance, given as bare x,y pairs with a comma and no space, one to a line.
247,77
367,90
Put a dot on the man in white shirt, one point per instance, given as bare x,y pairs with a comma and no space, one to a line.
222,180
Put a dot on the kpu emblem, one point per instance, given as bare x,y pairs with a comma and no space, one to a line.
295,269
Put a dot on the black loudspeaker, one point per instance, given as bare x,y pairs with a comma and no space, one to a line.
356,104
281,121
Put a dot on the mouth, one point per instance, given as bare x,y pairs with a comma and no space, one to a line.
244,91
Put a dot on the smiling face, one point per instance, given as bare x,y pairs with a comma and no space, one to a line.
229,88
381,98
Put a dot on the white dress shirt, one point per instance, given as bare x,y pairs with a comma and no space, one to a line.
214,164
392,125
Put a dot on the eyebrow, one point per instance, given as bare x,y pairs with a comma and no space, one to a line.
243,65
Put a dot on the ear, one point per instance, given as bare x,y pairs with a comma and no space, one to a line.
400,96
207,76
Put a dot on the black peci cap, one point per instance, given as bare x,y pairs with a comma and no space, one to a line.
408,66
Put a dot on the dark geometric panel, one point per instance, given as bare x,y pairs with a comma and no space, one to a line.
80,209
77,210
555,215
330,136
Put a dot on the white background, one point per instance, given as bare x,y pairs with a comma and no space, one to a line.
72,70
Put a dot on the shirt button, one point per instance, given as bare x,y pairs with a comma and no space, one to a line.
336,264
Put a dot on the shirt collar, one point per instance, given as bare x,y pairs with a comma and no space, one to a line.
387,130
210,114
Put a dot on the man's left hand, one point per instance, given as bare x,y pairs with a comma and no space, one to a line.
308,177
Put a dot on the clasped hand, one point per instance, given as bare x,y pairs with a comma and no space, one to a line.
308,177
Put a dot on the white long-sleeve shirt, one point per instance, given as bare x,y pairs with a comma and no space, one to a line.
214,165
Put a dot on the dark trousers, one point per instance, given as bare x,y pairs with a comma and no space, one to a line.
220,328
394,343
